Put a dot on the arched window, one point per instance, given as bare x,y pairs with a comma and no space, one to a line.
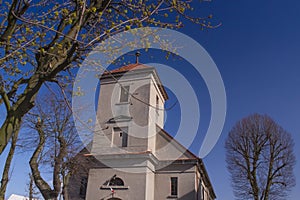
116,181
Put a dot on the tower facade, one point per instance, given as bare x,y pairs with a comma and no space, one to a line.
131,102
131,105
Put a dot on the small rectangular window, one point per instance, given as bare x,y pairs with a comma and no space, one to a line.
124,96
120,136
157,105
174,186
124,139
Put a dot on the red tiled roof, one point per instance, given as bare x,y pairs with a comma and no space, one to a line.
129,67
136,66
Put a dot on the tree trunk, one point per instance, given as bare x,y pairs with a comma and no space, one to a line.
5,174
10,126
43,186
31,187
58,163
65,186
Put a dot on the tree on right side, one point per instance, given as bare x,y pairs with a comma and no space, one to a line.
260,159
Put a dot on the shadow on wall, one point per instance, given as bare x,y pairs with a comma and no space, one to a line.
188,196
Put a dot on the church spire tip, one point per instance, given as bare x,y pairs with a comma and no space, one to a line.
137,55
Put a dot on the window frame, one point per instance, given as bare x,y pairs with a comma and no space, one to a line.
123,133
157,106
124,139
174,186
124,94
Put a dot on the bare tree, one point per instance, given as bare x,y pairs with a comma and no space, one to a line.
260,158
7,167
57,143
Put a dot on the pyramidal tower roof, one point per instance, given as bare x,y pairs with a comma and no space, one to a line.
130,67
135,67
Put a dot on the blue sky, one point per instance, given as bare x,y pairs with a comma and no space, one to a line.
257,51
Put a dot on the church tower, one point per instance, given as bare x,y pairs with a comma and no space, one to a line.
131,105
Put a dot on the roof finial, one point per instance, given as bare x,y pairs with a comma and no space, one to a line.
137,55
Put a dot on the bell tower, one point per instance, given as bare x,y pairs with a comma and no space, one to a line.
131,104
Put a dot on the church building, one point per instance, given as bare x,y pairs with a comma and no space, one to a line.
132,157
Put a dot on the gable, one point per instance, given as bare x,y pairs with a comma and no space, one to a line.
167,148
